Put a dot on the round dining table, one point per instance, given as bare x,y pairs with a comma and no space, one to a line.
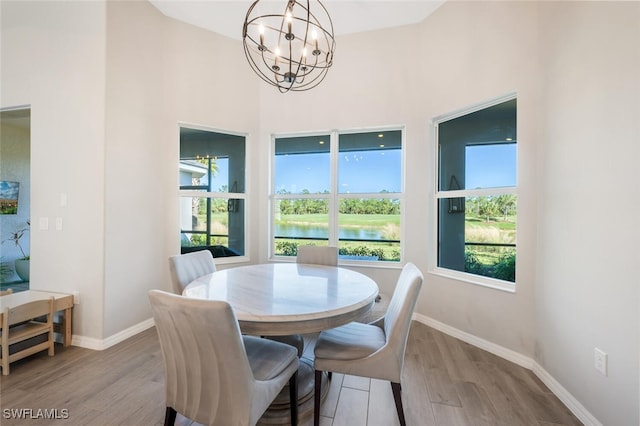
278,299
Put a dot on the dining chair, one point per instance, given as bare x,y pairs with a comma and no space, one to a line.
6,292
213,374
21,323
189,266
328,255
317,255
371,350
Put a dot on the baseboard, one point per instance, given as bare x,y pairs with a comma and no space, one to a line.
498,350
567,399
558,390
102,344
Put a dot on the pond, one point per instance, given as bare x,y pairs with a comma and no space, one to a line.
322,232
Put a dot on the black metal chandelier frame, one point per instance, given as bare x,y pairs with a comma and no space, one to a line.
280,55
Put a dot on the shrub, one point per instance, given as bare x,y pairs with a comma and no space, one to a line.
506,268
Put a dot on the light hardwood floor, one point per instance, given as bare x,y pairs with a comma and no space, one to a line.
446,382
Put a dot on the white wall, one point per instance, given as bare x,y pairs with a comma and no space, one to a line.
53,59
160,72
588,252
139,141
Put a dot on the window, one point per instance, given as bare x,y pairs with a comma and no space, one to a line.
212,192
476,194
342,189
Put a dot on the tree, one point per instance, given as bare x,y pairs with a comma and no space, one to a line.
212,169
506,204
486,207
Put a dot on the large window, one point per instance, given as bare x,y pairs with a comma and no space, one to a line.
342,189
476,194
212,192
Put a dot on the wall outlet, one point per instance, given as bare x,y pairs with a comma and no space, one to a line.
76,297
600,361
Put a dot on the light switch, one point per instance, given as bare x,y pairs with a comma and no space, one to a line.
63,199
58,224
44,223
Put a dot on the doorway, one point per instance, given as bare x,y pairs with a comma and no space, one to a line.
15,197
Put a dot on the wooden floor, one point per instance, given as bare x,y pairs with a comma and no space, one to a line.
445,382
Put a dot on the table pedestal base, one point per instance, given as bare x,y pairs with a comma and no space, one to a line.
278,413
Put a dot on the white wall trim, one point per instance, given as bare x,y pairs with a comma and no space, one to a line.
498,350
563,395
99,345
524,361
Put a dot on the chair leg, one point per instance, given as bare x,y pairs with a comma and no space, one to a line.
293,398
169,416
316,398
51,348
397,396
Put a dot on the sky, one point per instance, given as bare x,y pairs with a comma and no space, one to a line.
490,166
359,172
8,190
487,166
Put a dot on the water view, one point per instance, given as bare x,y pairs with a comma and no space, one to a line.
297,231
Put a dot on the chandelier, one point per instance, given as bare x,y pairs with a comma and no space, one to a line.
291,49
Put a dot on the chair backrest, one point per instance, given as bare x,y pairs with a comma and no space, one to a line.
6,292
189,266
30,310
397,320
318,255
207,373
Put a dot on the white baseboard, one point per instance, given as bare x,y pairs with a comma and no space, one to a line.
101,344
563,395
558,390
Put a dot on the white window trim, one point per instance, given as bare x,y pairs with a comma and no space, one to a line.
432,260
334,197
191,193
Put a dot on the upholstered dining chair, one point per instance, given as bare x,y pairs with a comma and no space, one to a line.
213,374
189,266
371,350
318,255
314,255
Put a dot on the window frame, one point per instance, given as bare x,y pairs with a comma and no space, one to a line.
334,196
220,195
438,195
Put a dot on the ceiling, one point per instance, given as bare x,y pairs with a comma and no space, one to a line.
226,17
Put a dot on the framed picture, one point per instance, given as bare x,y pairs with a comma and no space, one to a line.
9,197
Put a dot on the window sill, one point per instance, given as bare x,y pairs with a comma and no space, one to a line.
231,260
475,279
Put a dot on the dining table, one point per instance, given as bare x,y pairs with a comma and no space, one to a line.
278,299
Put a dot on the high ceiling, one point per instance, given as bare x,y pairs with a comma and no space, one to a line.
349,16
